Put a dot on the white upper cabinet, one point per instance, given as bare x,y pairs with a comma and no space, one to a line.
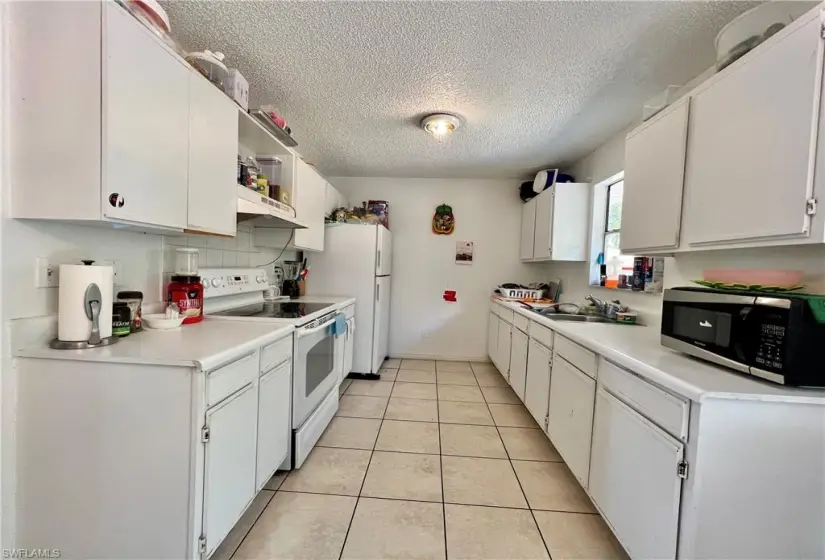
310,197
653,180
146,126
213,150
528,228
559,222
114,120
749,168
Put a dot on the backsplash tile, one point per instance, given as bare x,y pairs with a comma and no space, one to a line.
218,252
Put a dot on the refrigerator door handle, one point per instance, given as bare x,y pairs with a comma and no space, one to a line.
379,260
378,291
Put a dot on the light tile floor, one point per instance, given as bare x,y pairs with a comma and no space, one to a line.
436,460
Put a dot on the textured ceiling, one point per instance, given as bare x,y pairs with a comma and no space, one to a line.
537,83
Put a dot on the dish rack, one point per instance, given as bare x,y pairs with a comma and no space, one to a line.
520,293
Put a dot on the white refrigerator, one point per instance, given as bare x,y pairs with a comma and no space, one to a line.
356,262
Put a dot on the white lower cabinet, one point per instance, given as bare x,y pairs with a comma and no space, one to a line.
503,349
634,479
229,473
349,346
492,337
273,421
518,362
571,416
537,384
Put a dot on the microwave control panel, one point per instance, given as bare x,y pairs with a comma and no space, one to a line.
770,347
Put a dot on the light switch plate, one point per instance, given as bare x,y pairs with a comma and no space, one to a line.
46,275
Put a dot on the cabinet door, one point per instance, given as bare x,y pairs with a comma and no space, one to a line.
653,179
229,469
543,242
492,337
273,421
749,172
518,362
503,350
528,229
571,416
145,126
537,384
213,158
309,202
634,480
349,346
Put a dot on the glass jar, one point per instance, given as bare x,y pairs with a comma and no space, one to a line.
186,261
135,302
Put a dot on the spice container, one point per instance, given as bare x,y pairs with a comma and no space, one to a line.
121,319
135,302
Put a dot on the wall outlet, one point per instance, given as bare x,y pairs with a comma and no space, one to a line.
46,275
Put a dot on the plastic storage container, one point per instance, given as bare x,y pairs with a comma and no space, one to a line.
135,302
210,65
187,293
186,261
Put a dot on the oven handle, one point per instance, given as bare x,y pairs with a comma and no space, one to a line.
303,333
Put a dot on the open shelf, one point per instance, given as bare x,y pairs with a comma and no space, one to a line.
253,136
266,212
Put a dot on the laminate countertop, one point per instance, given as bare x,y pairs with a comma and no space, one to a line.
639,350
204,346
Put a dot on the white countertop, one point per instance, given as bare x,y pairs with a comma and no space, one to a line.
203,345
638,349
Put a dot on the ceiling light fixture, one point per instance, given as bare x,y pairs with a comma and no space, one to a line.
440,125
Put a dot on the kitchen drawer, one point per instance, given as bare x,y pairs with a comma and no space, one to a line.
520,322
276,353
505,313
577,355
222,382
658,406
541,334
349,311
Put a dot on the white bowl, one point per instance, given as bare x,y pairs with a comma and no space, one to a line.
158,321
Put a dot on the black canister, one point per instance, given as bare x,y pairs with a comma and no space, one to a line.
121,319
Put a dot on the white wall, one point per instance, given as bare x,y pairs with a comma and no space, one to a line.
487,212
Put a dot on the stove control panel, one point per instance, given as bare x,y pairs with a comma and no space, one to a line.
229,281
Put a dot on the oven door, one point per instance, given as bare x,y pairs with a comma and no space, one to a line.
317,366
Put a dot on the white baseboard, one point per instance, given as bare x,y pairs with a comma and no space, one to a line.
440,357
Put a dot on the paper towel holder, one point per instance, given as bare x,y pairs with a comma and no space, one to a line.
92,301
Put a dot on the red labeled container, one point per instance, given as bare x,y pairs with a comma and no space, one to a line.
187,293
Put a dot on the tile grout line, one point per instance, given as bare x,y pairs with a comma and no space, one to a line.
441,470
518,480
252,525
366,472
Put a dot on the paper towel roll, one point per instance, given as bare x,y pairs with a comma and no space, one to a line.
72,323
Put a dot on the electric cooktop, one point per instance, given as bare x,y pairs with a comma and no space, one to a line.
275,310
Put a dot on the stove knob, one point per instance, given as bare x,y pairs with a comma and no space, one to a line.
216,282
261,279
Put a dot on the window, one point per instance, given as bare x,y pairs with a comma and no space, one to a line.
617,264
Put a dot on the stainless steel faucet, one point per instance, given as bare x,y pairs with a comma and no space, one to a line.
606,308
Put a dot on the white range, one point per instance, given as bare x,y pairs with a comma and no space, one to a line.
319,351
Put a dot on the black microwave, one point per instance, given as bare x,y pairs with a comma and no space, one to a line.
776,337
